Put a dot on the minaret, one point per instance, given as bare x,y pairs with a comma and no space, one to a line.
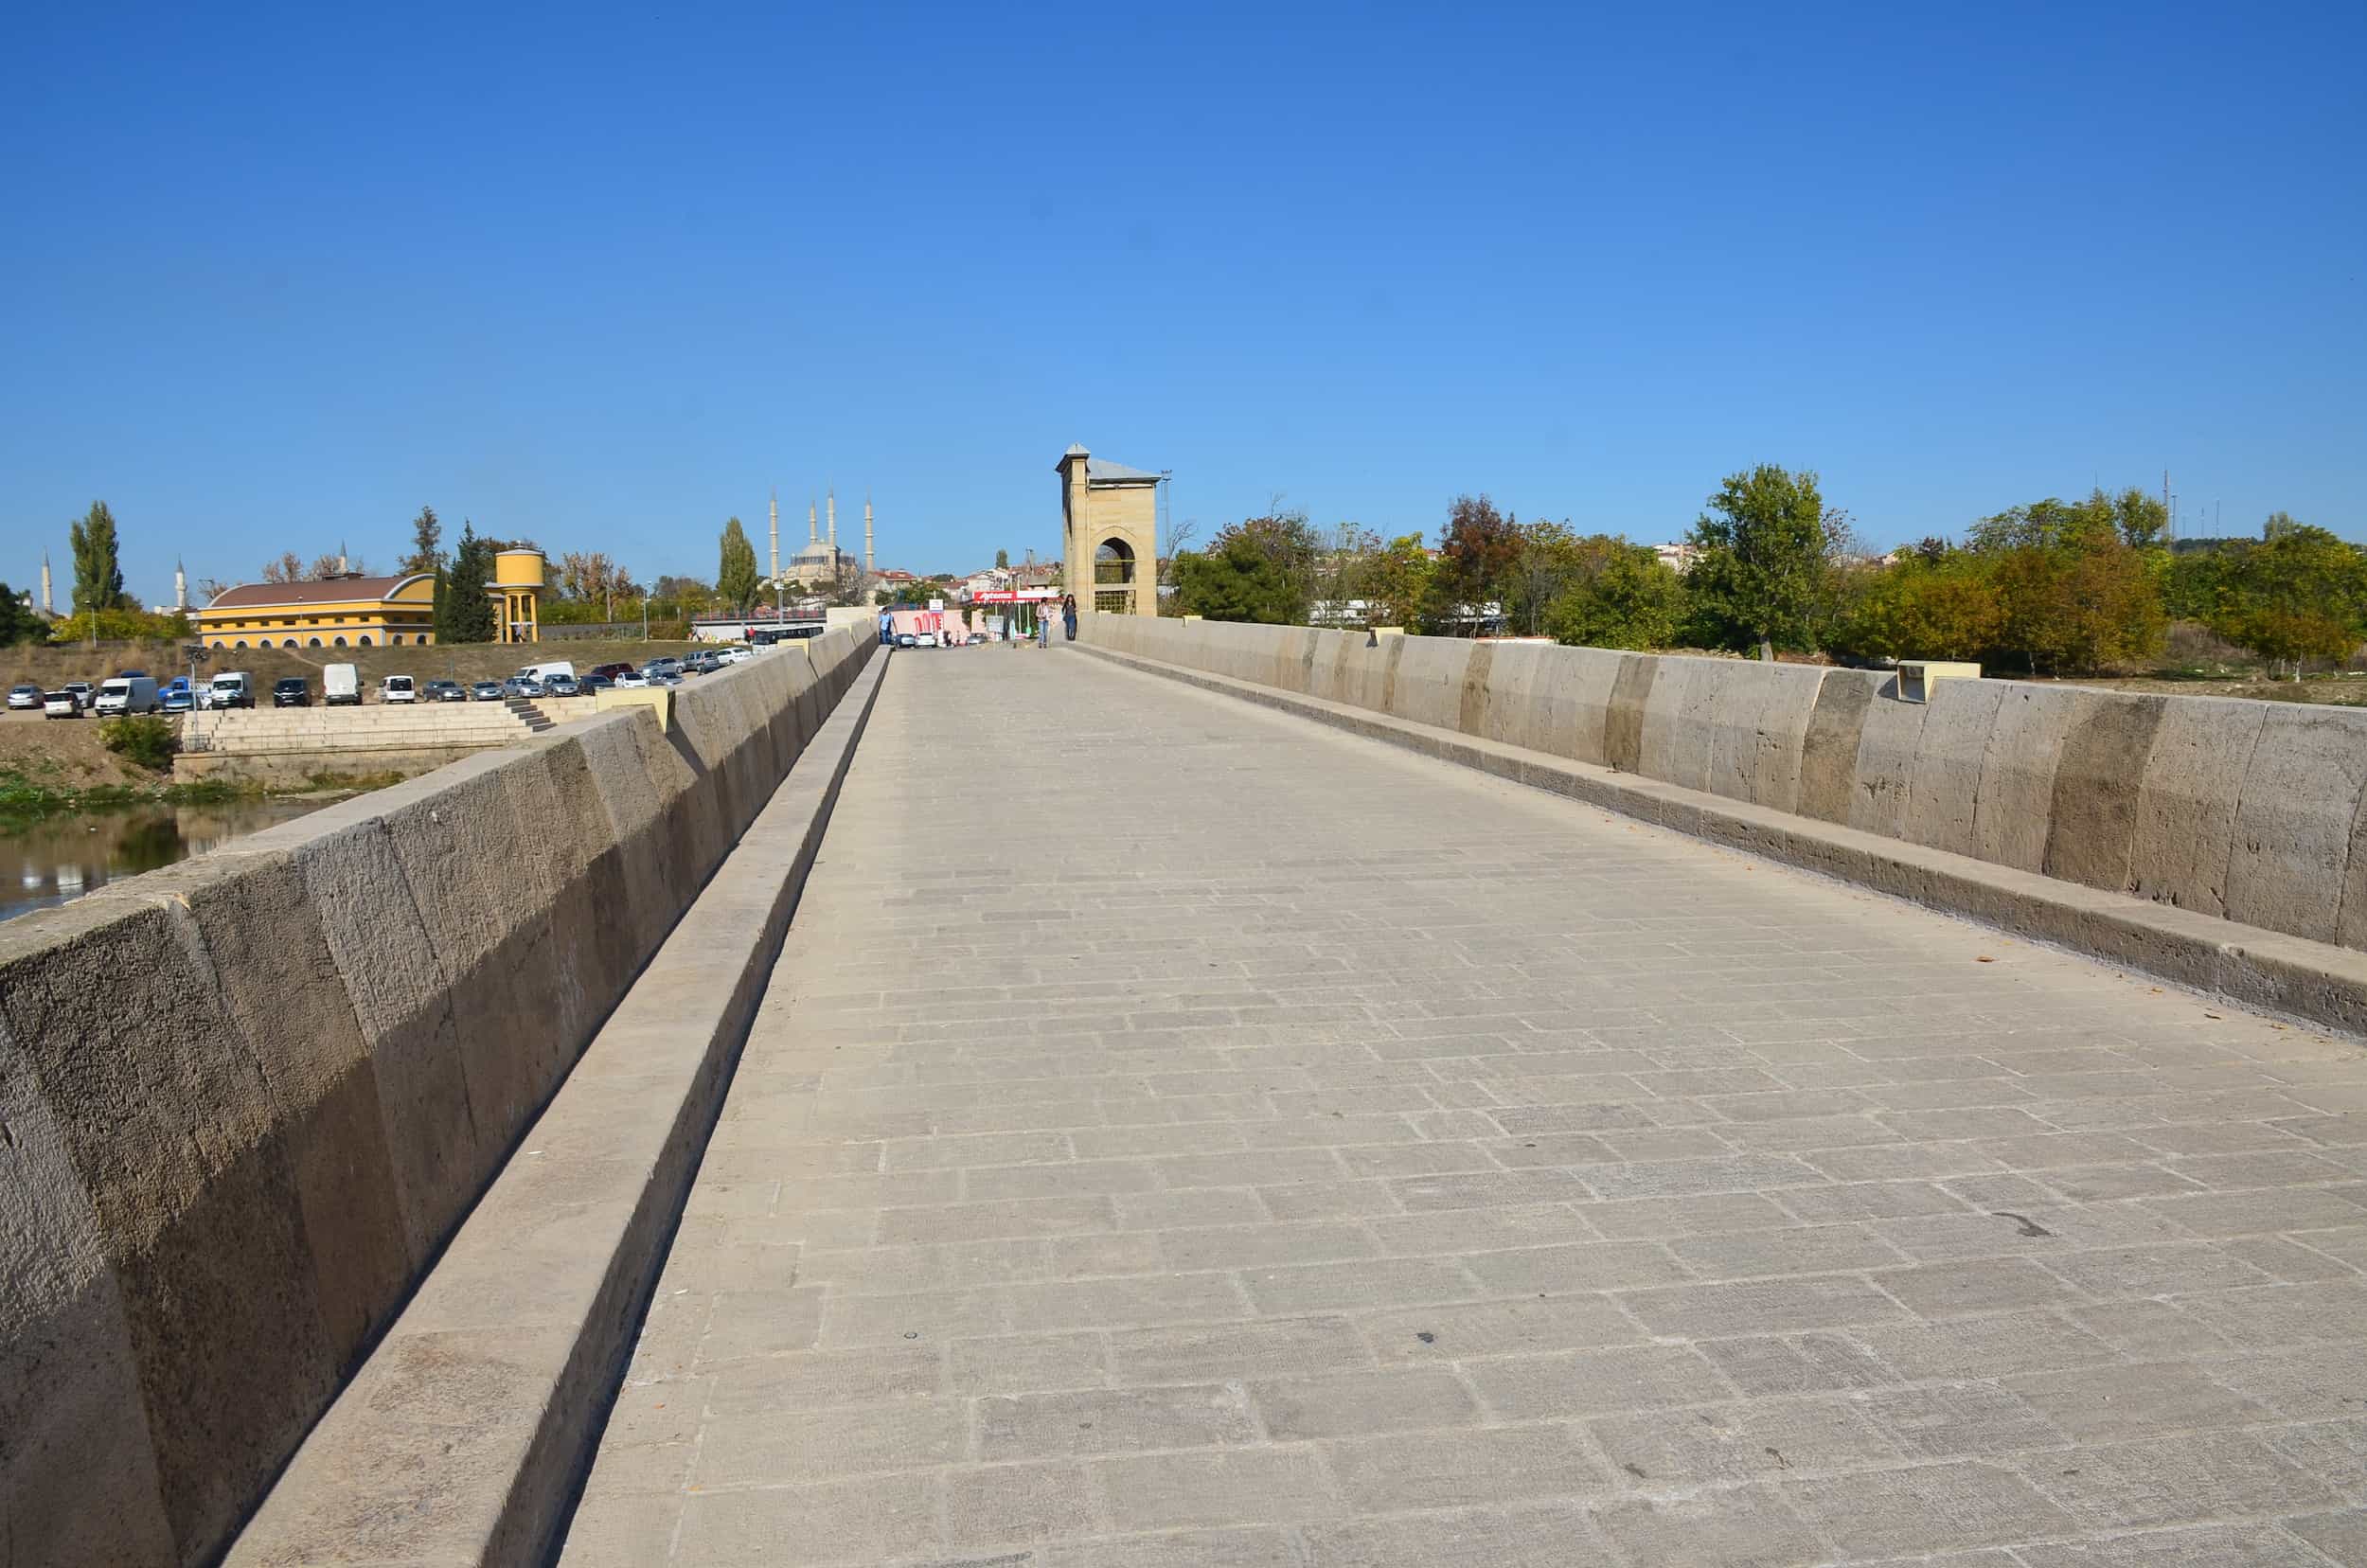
48,608
813,528
833,506
776,536
180,587
341,558
866,533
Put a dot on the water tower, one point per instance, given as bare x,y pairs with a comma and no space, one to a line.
517,590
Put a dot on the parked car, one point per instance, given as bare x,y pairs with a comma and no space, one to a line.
562,685
341,686
291,692
85,694
124,694
61,703
905,639
518,686
594,685
610,672
232,689
27,697
397,688
736,655
485,691
702,664
180,700
666,666
661,678
977,639
631,678
446,691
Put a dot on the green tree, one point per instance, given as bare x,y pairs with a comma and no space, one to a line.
736,577
1924,608
2199,584
1623,596
467,610
1397,582
14,620
2074,591
2300,594
1767,543
1263,569
1476,556
1550,558
1002,559
2140,518
97,567
427,537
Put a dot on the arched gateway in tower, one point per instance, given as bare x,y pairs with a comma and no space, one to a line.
1109,534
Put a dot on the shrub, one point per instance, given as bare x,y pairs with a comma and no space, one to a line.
143,739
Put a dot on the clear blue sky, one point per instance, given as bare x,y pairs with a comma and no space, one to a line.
602,274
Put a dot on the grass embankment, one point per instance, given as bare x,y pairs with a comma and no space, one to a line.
25,799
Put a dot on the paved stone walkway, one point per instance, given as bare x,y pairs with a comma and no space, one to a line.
1234,1143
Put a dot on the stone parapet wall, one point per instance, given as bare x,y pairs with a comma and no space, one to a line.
2247,810
245,1100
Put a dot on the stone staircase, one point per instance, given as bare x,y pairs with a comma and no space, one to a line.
529,713
391,726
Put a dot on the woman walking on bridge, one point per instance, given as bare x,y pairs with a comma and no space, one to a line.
1068,617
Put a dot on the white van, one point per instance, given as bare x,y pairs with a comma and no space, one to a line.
397,688
231,688
541,672
341,686
128,694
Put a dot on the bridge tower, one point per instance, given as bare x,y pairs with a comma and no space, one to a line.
1109,534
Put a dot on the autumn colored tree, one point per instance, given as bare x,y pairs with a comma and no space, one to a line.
1476,556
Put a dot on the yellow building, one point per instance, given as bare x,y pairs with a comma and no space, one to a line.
1110,534
517,590
341,612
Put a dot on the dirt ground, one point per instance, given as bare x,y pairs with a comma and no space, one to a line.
62,753
2345,689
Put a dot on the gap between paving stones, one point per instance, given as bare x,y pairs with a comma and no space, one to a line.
468,1434
2247,965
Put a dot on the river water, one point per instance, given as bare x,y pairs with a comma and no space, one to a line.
64,857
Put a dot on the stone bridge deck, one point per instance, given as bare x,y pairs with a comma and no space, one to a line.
1213,1139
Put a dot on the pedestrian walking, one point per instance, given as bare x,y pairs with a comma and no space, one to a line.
1043,626
1068,617
887,630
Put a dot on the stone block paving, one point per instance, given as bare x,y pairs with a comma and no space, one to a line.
1178,1134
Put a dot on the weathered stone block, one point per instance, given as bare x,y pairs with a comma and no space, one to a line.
1944,790
2093,816
2295,820
2012,809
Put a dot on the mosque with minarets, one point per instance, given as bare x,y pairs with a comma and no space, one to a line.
821,563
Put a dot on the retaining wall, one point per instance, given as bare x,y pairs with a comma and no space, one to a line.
2248,810
244,1100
